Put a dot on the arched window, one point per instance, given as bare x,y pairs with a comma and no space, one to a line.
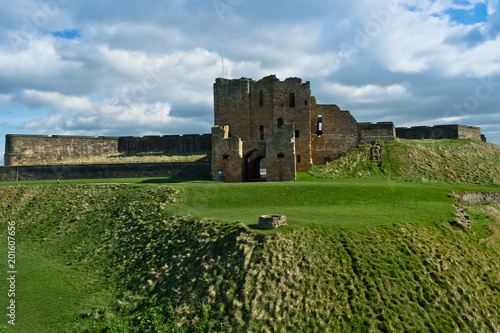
280,123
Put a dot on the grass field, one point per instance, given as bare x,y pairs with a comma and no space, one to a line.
346,203
357,256
367,249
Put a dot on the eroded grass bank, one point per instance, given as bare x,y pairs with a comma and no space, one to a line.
147,270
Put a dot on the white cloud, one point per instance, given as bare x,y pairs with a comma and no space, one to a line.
370,93
107,117
415,42
55,100
39,59
140,69
492,6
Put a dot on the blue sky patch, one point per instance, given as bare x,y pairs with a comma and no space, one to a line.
67,34
476,15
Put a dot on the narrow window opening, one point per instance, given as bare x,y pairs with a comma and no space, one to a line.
261,97
299,158
261,132
297,134
305,102
225,157
319,125
281,155
292,100
280,123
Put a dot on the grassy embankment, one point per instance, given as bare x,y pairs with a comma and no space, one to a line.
421,160
131,158
358,255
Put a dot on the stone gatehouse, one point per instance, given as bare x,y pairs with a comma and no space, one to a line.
269,129
263,130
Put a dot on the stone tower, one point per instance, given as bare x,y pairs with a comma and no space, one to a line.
275,126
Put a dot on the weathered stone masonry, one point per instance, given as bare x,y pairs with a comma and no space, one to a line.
278,126
26,149
103,171
281,128
263,130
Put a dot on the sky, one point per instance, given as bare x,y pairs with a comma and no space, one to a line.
117,68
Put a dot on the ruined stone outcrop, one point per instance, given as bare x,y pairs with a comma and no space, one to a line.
376,154
462,218
268,222
477,197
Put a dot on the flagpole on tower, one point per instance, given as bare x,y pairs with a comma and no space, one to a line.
222,52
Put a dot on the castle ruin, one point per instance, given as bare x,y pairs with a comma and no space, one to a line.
277,126
264,130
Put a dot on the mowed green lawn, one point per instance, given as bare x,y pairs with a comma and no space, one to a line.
49,294
309,200
344,203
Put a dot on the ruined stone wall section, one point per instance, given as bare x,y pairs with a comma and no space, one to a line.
334,132
280,155
439,132
27,149
255,110
469,132
227,156
232,106
261,109
175,144
369,132
292,105
103,171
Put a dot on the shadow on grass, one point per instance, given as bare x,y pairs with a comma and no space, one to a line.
253,226
171,180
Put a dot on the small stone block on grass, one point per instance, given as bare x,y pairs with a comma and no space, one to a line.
268,222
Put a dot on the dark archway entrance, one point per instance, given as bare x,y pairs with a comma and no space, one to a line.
254,169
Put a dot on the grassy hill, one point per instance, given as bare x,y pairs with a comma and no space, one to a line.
125,258
454,161
363,251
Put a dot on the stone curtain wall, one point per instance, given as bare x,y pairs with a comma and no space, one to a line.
439,132
103,171
26,149
8,174
469,132
339,133
369,132
177,144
